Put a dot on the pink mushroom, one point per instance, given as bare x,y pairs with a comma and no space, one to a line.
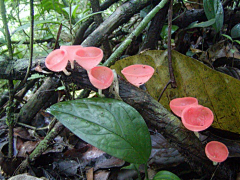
138,74
71,52
216,151
101,77
57,61
197,118
179,104
88,57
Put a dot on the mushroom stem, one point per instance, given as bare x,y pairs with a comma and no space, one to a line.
197,134
100,93
72,64
215,163
66,72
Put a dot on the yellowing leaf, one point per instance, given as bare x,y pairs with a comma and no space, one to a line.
218,91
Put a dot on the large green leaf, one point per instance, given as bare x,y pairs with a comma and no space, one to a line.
108,124
214,10
213,89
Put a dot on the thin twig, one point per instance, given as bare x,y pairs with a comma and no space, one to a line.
5,25
173,81
169,82
32,127
10,119
58,36
31,43
42,146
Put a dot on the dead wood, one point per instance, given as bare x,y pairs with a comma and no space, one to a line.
44,97
153,34
120,16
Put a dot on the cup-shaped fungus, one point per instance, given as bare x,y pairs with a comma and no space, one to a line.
71,52
138,74
179,104
101,77
197,118
88,57
216,151
57,61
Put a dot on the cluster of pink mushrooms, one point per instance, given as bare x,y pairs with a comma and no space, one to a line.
197,118
89,58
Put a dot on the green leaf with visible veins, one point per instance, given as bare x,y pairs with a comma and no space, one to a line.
108,124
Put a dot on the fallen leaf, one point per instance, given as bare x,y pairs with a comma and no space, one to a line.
213,89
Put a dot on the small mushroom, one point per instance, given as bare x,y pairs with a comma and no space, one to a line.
101,77
57,61
71,52
197,118
216,151
138,74
179,104
88,57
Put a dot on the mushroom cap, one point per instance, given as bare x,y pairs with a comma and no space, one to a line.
197,118
57,60
88,57
71,51
138,74
101,77
216,151
179,104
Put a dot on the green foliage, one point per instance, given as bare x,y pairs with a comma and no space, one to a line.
202,24
230,38
235,32
108,124
164,32
165,175
214,10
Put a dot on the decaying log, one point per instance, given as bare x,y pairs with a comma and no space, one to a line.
45,96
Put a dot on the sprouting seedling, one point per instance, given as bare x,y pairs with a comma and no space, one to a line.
57,61
88,57
197,118
101,77
179,104
138,74
71,52
216,151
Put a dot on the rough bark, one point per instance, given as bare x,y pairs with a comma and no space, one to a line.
120,16
80,33
39,100
98,20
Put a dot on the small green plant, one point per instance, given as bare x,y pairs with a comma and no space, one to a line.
230,38
214,10
165,175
